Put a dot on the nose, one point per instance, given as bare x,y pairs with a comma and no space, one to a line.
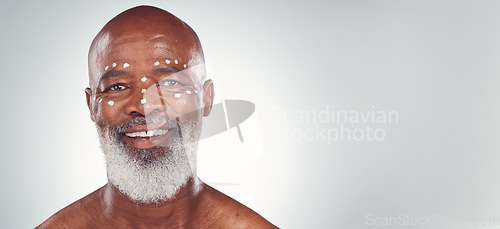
144,101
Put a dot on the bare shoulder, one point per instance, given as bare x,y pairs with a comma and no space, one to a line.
75,215
230,213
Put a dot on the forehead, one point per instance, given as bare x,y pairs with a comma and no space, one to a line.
140,48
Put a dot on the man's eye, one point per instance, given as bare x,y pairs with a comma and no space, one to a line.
170,83
117,87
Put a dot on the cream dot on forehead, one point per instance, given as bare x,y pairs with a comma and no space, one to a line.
178,95
111,102
189,92
157,63
143,101
126,65
143,90
144,79
114,65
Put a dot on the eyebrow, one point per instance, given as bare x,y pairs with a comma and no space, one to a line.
112,73
116,73
166,69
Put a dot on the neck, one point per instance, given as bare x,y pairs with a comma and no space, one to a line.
175,211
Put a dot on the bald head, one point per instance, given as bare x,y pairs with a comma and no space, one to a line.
161,33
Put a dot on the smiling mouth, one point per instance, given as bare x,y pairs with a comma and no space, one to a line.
146,134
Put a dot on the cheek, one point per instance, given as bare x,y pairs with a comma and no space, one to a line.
179,100
183,103
106,109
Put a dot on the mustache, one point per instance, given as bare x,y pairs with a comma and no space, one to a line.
150,119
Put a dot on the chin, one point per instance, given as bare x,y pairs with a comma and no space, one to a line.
149,175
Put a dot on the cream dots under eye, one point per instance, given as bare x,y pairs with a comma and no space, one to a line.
143,91
144,79
143,101
126,65
111,102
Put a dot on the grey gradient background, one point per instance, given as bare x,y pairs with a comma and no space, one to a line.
435,62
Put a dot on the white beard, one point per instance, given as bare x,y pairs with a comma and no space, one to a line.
152,180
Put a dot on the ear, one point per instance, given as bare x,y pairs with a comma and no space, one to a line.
88,94
208,97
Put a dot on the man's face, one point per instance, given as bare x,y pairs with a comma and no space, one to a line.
147,101
147,90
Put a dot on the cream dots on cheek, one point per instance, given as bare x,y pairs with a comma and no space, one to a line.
110,102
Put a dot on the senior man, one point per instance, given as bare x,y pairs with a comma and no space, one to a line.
147,96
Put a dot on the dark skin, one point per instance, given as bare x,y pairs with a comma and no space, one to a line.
134,40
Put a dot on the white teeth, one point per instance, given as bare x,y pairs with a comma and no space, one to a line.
149,133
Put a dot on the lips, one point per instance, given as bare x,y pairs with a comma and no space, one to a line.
147,136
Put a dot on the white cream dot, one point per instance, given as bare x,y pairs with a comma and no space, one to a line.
176,61
143,79
111,102
195,91
167,61
178,95
189,92
126,65
114,65
157,63
143,101
106,68
143,90
100,100
185,66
